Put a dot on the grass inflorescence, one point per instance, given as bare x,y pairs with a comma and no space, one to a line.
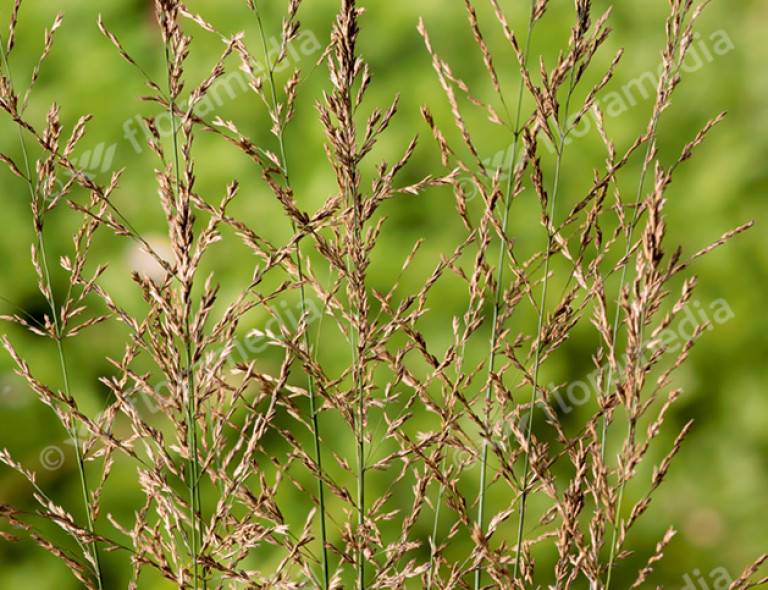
415,467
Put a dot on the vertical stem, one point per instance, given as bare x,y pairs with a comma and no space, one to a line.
58,336
617,516
313,409
358,384
357,378
615,328
497,302
193,467
193,483
631,433
355,335
609,380
435,524
360,475
358,287
540,323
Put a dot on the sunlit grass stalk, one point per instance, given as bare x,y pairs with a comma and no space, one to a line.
650,148
357,384
631,432
614,335
497,301
563,132
193,467
360,473
359,390
313,409
360,414
58,333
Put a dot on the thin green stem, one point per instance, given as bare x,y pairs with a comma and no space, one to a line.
617,521
83,476
540,324
356,286
631,433
358,385
497,301
193,466
609,380
313,409
623,277
433,544
359,425
193,483
360,477
357,377
651,145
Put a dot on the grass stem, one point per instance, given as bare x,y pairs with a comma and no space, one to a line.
540,323
193,466
59,337
498,293
313,408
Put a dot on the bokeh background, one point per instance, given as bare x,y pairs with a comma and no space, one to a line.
716,493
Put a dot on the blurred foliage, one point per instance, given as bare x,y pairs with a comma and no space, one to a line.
715,495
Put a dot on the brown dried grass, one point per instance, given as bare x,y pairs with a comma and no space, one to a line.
207,464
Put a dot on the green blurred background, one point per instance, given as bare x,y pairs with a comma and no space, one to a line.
716,493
